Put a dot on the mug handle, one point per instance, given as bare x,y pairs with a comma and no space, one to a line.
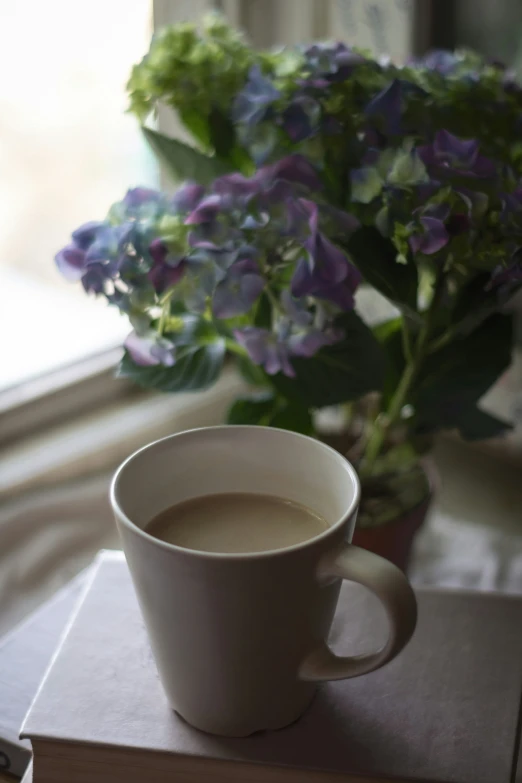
392,588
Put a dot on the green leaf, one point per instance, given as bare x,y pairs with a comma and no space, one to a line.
375,257
263,312
196,368
222,134
387,330
196,123
453,380
389,335
338,373
241,161
223,139
252,373
252,410
474,303
184,162
191,330
294,417
269,411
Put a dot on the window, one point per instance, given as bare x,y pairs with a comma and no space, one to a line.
67,151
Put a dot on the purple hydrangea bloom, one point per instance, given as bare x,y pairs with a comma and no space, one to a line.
95,254
109,242
325,258
236,294
237,191
297,218
431,238
136,197
449,154
94,278
274,351
187,197
237,186
236,203
166,270
73,259
295,169
307,343
330,63
455,151
253,102
440,60
214,235
387,107
70,261
266,349
86,234
295,309
269,186
300,120
341,294
150,350
206,210
325,269
327,262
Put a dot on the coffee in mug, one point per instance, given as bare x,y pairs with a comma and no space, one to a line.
236,522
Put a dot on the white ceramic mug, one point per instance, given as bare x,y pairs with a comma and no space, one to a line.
240,639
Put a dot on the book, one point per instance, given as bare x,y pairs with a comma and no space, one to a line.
25,654
446,710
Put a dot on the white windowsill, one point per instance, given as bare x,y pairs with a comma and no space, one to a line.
47,327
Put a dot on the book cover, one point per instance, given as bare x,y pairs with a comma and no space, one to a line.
25,654
446,710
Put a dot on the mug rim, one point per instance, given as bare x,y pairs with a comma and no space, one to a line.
133,527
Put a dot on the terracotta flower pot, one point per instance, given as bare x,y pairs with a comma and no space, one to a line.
394,540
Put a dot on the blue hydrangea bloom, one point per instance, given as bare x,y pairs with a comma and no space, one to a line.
449,154
431,238
241,287
257,96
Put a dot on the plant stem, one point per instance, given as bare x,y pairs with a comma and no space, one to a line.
406,342
165,312
273,299
441,341
413,364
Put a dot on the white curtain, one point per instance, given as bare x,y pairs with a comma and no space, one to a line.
54,508
46,537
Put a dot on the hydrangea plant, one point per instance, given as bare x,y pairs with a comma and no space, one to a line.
315,172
